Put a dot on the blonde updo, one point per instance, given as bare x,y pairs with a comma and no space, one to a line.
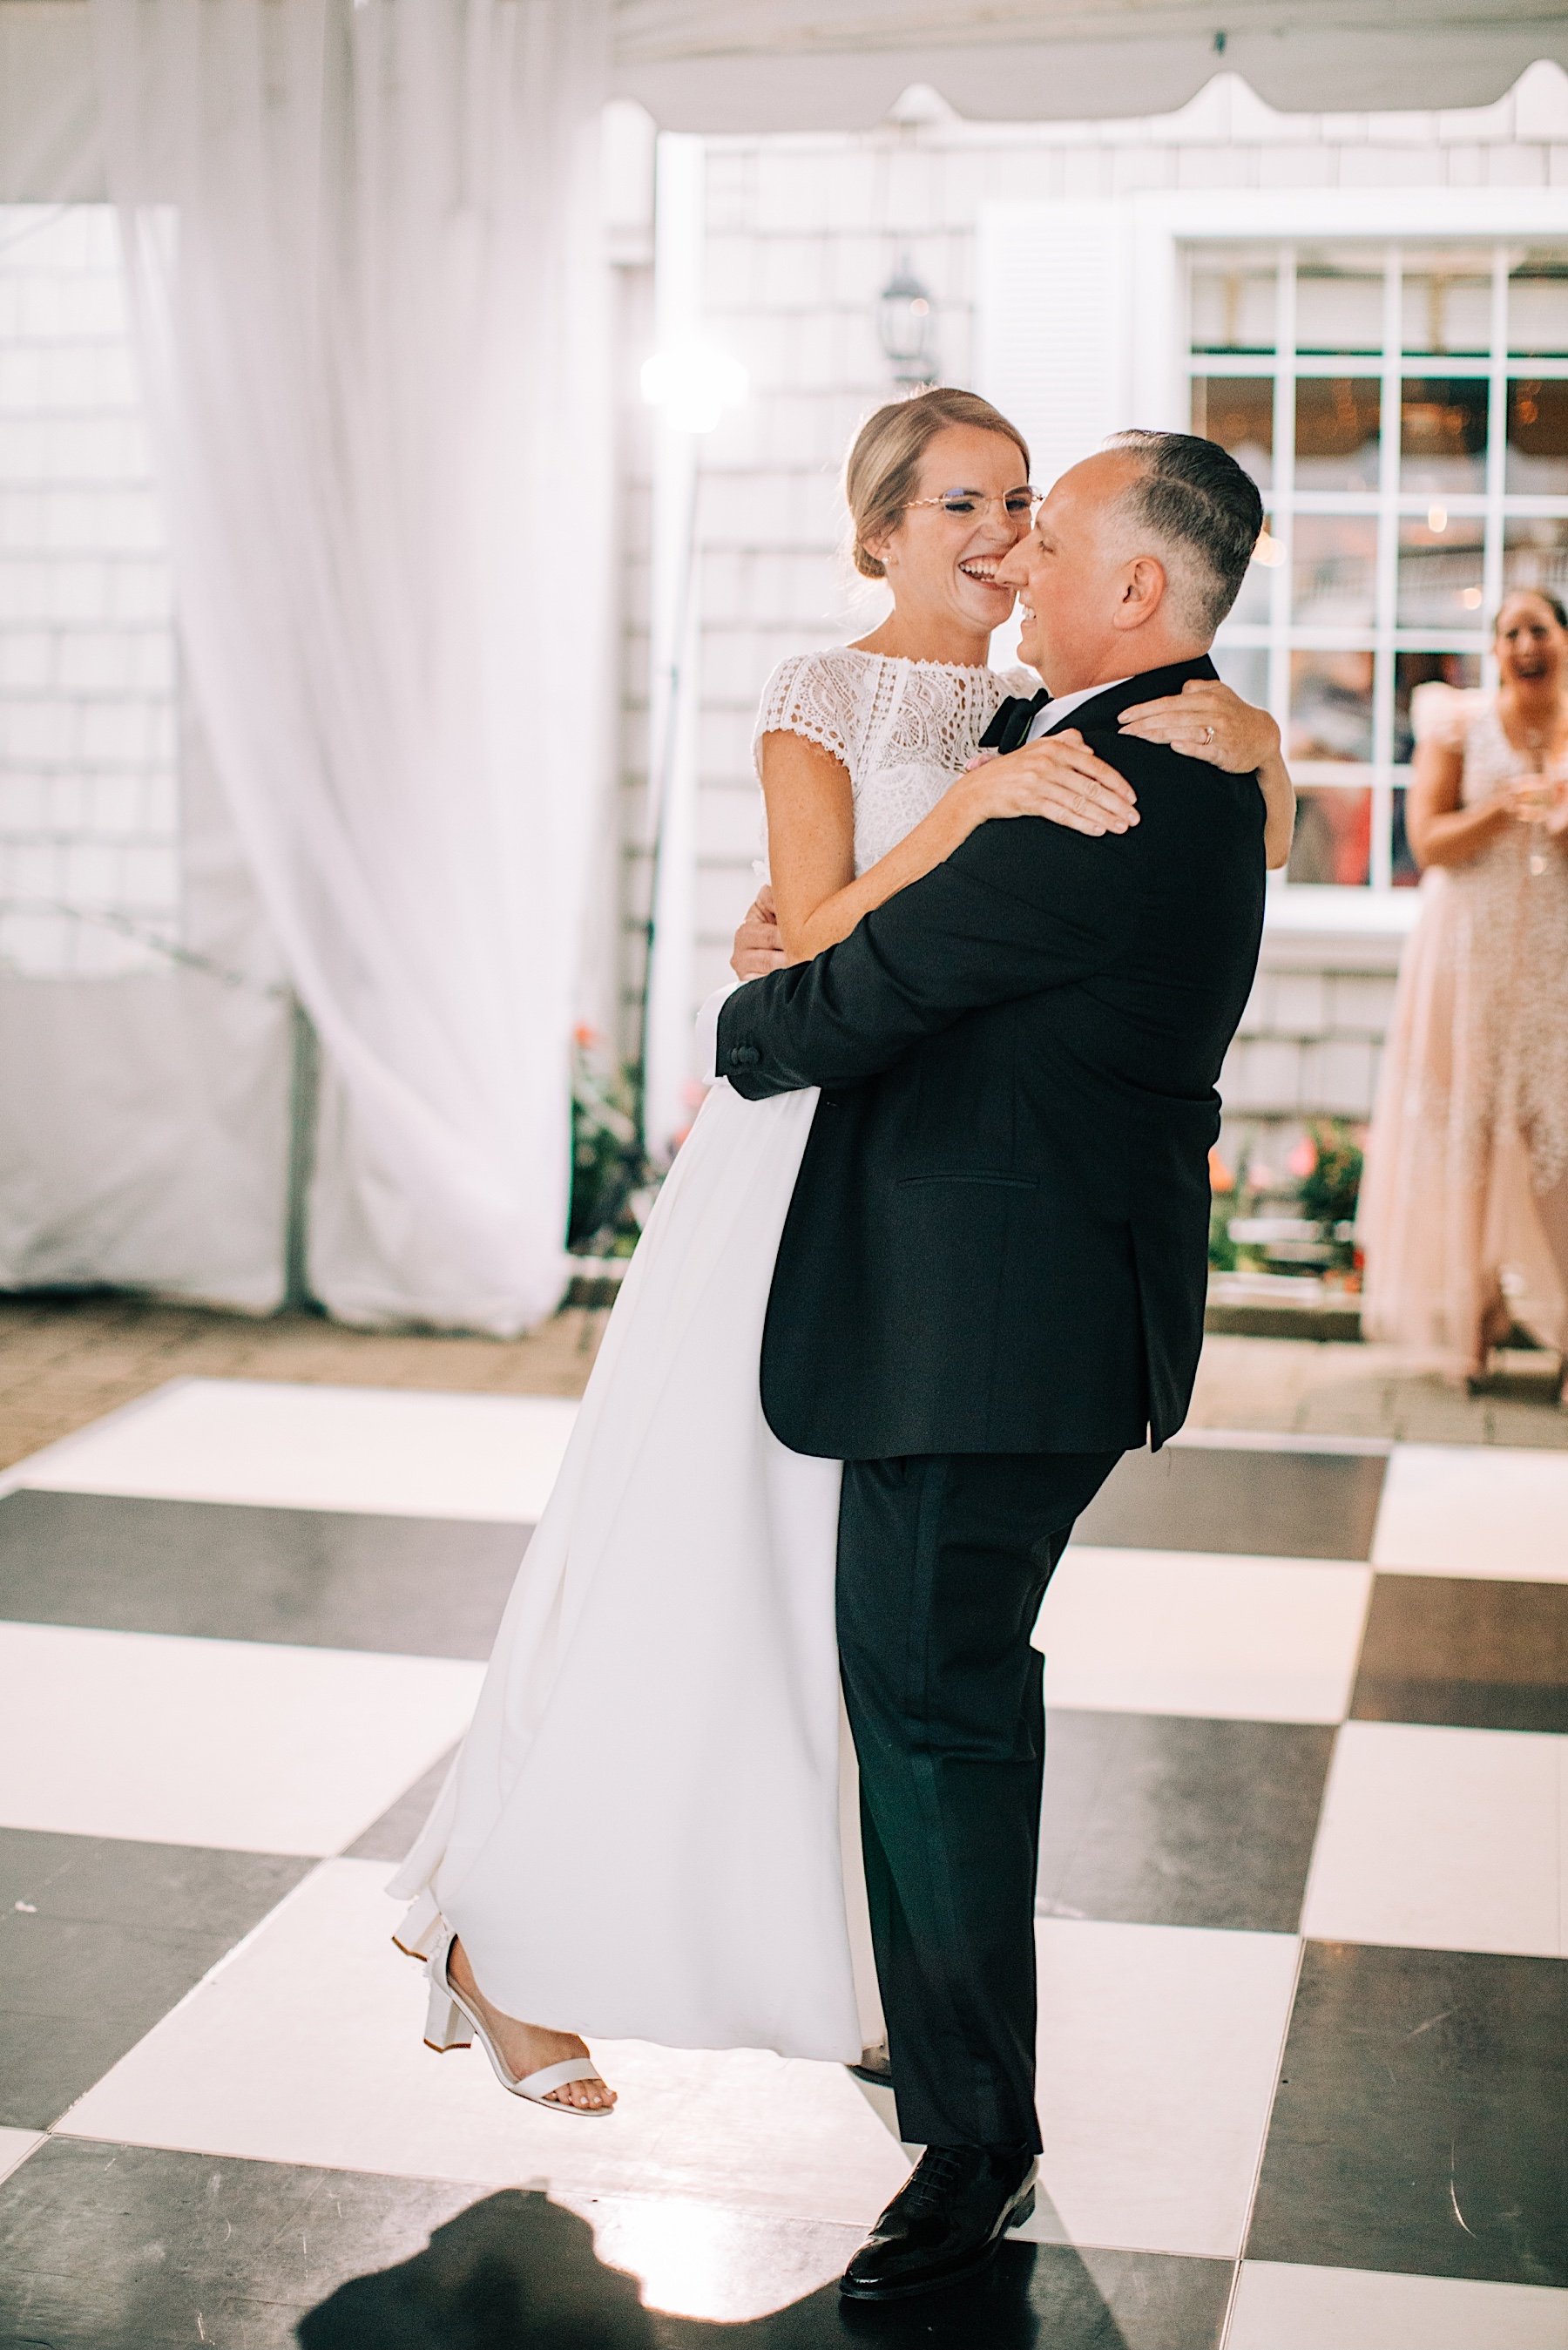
883,465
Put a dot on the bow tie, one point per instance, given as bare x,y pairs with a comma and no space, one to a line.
1011,726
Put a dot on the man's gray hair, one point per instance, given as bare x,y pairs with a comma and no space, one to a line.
1196,501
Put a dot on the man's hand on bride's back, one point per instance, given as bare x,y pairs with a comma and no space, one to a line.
1058,777
759,947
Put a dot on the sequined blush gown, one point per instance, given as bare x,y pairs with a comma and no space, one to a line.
1464,1217
641,1836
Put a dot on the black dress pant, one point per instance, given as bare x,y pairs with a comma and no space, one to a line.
943,1560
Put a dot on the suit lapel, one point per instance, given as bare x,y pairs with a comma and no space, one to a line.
1102,710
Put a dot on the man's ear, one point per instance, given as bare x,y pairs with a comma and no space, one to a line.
1142,592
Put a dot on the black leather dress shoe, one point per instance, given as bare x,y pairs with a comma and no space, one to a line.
876,2066
947,2221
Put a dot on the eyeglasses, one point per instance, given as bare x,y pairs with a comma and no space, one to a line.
1018,504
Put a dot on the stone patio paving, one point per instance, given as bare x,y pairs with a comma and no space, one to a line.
66,1361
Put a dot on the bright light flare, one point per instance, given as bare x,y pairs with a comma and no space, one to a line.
693,385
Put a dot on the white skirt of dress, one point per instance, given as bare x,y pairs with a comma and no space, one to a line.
639,1838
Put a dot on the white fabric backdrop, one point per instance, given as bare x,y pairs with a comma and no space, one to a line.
363,250
145,1137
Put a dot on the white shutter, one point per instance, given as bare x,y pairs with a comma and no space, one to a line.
1055,288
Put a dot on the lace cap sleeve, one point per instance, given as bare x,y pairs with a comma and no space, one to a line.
1442,714
809,695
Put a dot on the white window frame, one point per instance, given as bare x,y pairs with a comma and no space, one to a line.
1166,230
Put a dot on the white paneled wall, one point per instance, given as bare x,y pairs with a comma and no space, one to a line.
88,813
801,234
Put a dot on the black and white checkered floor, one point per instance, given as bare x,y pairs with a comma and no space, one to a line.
1303,1920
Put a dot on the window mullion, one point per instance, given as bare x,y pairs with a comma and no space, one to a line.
1284,487
1381,862
1496,453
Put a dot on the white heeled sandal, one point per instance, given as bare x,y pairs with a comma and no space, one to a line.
450,2023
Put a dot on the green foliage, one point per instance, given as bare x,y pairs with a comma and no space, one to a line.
612,1185
1222,1250
1330,1189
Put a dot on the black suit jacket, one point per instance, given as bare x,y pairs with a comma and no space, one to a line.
998,1241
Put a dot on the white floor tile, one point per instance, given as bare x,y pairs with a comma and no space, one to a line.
305,2046
1443,1839
1474,1509
16,2146
228,1742
1280,2307
1194,1632
1158,2050
320,1448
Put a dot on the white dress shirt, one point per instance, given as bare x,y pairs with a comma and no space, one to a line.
1047,721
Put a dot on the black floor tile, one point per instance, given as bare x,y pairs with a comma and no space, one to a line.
318,1578
518,2268
99,1938
388,1837
1152,1819
133,2248
1421,2123
1037,2297
1479,1655
1284,1504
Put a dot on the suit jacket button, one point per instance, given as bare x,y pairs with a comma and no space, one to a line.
743,1056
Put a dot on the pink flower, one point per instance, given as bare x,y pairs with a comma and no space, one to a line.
1303,1158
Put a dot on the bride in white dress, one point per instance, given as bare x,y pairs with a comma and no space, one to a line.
640,1835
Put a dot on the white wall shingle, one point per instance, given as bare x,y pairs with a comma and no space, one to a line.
1301,1003
88,806
1262,1073
1339,1075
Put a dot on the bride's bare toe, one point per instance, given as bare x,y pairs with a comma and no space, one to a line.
589,2094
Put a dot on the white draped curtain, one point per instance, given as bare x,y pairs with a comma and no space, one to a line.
363,243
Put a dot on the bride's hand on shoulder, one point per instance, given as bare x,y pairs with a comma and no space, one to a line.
1207,721
1059,778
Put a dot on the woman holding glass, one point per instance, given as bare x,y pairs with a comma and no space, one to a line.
1465,1207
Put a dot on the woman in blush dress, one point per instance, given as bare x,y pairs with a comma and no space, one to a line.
1464,1218
640,1835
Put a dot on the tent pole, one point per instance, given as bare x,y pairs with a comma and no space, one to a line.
303,1094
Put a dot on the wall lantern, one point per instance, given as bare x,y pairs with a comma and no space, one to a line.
906,325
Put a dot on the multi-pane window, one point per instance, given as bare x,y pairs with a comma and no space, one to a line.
1405,410
89,876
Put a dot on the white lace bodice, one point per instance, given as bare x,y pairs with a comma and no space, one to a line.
904,729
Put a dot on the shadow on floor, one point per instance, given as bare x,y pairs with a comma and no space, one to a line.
518,2269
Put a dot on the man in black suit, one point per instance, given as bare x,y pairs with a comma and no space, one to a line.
991,1283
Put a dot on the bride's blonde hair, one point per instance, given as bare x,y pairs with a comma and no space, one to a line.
883,465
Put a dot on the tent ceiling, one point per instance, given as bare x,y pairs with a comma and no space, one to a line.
840,64
802,65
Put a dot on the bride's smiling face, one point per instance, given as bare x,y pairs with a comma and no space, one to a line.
969,507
